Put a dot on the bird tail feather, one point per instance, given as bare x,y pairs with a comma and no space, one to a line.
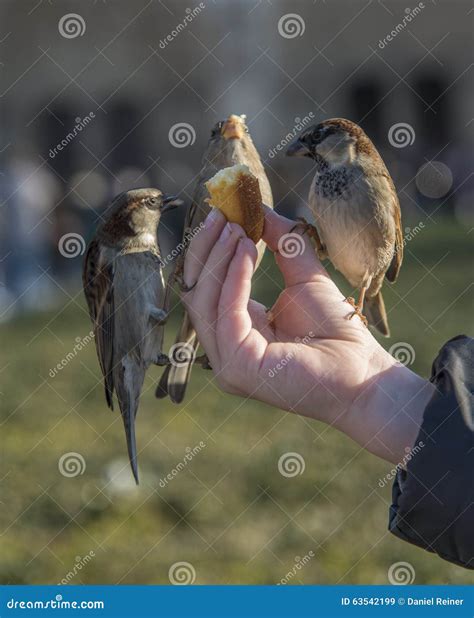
176,376
376,315
128,388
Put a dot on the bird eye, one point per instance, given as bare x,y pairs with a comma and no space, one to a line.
153,202
217,129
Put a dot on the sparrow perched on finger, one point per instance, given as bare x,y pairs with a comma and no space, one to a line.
230,144
124,289
356,211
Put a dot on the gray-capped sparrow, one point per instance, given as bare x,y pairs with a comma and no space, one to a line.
356,211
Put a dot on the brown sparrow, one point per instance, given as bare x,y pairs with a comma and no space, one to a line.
356,211
124,289
230,143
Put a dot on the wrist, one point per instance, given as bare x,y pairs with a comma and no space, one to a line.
386,415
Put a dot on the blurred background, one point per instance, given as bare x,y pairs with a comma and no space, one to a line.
98,97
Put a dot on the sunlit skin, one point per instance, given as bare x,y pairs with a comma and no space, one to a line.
337,373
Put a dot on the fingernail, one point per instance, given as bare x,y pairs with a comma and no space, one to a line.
211,218
225,234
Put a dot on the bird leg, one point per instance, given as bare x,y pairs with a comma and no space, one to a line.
158,315
358,306
311,230
178,276
203,361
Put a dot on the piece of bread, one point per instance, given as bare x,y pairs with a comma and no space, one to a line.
236,192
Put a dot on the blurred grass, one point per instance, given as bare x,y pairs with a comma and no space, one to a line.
229,512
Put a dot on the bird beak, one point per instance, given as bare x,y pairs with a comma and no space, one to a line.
170,202
232,128
297,149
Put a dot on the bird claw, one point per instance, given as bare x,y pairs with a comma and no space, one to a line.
311,230
203,361
183,288
357,311
158,315
162,360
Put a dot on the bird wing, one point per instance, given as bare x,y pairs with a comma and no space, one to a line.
98,277
395,264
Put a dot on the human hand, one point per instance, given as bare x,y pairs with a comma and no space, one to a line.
304,355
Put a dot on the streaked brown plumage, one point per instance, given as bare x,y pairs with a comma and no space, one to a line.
124,289
230,144
356,210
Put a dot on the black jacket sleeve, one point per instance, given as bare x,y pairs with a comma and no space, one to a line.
433,499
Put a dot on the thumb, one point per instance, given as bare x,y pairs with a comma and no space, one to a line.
294,253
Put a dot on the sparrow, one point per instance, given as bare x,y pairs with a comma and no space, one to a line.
356,211
124,289
229,144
